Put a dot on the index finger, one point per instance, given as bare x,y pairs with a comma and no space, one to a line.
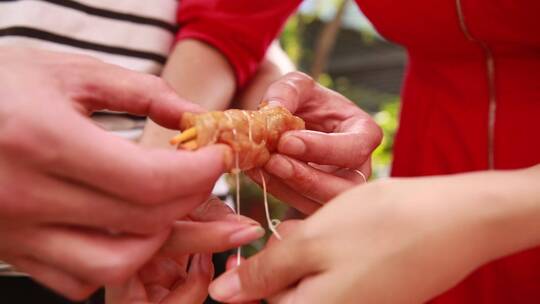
114,88
214,209
349,149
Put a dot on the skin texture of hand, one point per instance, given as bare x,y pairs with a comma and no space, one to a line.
170,277
163,281
397,241
232,262
313,166
80,207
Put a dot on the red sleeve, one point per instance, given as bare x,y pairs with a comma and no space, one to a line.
241,29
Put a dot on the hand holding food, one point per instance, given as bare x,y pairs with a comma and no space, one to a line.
333,154
252,135
80,207
305,168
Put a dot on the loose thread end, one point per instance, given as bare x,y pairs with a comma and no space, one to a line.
272,223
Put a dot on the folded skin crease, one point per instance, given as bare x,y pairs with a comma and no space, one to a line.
252,135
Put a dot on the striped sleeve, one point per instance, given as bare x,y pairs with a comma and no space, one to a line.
241,29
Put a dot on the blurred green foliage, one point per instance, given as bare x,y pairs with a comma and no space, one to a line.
291,38
387,119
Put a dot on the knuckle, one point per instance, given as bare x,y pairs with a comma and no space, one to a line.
377,134
286,88
294,80
309,245
371,137
255,275
364,151
156,83
13,135
297,76
291,88
307,181
301,80
19,137
77,66
289,226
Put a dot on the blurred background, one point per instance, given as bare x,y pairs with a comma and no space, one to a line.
332,41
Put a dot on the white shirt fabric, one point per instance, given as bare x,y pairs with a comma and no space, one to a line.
135,34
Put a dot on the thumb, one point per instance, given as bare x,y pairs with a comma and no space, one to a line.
232,262
268,272
291,91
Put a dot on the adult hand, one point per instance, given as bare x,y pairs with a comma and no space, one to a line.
400,241
80,207
232,262
285,228
167,278
313,166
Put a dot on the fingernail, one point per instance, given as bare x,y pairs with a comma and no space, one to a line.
226,287
241,219
292,145
247,235
272,103
280,167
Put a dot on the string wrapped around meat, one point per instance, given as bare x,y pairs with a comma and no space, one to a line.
252,135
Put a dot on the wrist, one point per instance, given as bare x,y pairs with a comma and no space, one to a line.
193,63
508,211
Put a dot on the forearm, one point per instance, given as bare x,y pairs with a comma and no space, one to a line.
201,74
466,220
510,211
198,73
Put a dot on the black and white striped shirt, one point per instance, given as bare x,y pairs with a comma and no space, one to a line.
135,34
